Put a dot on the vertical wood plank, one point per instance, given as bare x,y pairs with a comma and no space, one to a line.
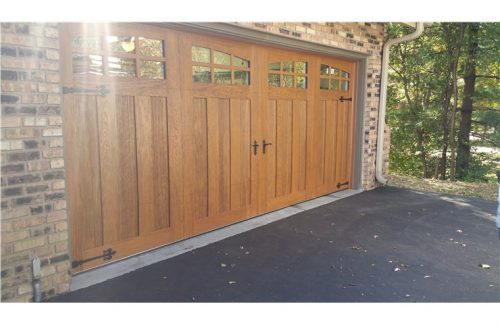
245,106
218,156
330,112
299,127
118,165
152,163
283,147
320,142
240,159
83,171
271,152
200,171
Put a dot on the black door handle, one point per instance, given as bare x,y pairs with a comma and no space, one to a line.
264,145
342,99
255,146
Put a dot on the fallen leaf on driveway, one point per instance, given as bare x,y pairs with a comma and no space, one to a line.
407,295
484,266
222,265
165,277
232,282
397,269
247,253
375,236
356,248
463,245
459,231
427,276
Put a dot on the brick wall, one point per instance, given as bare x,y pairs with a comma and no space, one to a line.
34,219
360,37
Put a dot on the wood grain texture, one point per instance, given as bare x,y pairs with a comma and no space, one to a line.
160,160
152,163
117,149
299,142
240,153
200,168
83,171
283,147
330,139
219,156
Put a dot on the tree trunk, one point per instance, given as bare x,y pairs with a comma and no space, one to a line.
454,67
446,130
463,152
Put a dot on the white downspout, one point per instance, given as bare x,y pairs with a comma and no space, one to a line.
383,98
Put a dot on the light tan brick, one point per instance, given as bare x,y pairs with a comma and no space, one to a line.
58,185
47,42
54,99
59,205
57,163
55,120
49,88
60,226
53,238
52,54
17,39
36,165
52,77
19,87
57,142
28,244
17,212
18,63
52,132
52,153
10,122
33,99
61,247
10,237
57,215
24,289
48,270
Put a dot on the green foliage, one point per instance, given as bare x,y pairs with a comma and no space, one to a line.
420,87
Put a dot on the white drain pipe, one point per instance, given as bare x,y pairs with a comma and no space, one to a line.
383,98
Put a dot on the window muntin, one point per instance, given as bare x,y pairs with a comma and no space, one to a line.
332,78
119,56
287,74
219,67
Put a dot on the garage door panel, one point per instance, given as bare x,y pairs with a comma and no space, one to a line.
330,141
299,145
152,163
117,150
283,147
200,158
240,153
83,170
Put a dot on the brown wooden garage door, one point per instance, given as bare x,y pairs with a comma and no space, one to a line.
170,134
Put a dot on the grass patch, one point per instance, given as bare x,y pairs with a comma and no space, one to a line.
486,191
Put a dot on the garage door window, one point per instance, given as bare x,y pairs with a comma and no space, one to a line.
119,56
333,78
213,66
287,74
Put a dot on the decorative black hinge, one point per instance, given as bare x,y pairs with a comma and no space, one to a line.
342,99
99,90
342,184
106,255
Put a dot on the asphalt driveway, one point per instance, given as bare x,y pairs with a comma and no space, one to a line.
386,245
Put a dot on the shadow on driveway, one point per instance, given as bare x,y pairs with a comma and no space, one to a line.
385,245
